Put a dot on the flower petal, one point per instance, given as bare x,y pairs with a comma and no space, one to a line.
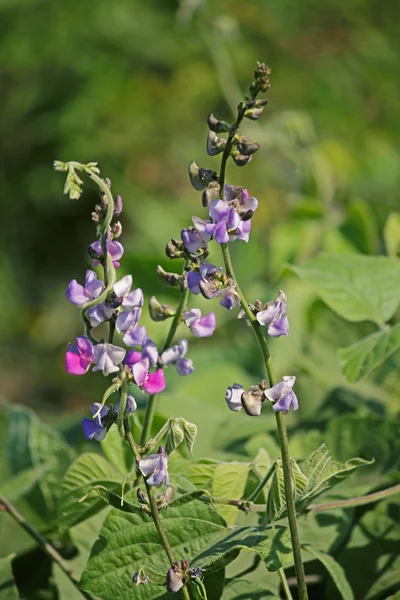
155,382
205,326
122,287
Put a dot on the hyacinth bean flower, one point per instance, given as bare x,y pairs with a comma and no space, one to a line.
174,581
206,269
79,294
96,429
239,198
274,316
151,383
149,350
79,357
233,397
174,356
200,326
155,468
100,313
115,250
230,298
224,218
282,395
107,357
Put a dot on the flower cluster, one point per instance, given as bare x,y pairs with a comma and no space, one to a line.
137,359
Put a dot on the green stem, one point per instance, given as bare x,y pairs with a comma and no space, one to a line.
354,502
153,508
45,545
283,440
262,484
285,584
152,402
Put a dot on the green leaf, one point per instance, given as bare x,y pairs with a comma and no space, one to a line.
175,435
130,541
190,433
30,443
334,570
8,589
391,234
117,451
21,484
317,474
359,359
357,287
229,481
113,499
241,589
196,533
86,472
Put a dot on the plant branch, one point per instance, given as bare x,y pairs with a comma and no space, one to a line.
44,544
151,404
285,584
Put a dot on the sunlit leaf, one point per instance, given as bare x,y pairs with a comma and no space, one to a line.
335,571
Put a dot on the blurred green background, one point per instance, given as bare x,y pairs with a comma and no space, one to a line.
130,84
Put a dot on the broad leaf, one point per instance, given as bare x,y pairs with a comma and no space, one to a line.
357,287
8,589
358,360
174,436
87,471
334,570
117,451
229,481
130,541
22,483
30,444
316,475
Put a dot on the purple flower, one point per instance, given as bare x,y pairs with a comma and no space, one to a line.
151,383
79,356
135,335
79,294
275,317
95,429
115,250
155,468
282,395
107,358
174,356
100,313
239,198
224,218
200,326
230,298
233,397
131,405
191,240
194,278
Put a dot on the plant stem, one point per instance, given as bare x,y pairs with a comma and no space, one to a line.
153,508
44,544
262,483
151,404
285,584
354,502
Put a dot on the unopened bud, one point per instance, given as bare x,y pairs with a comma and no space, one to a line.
107,181
240,159
93,254
142,497
170,279
174,581
118,205
200,178
210,194
215,145
252,403
209,289
116,229
95,217
247,148
174,249
217,126
160,312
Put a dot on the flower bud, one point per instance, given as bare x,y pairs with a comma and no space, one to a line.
118,205
210,194
142,497
170,279
174,249
93,254
247,148
160,312
116,229
240,159
217,126
140,578
95,217
200,178
208,289
107,181
215,145
251,402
